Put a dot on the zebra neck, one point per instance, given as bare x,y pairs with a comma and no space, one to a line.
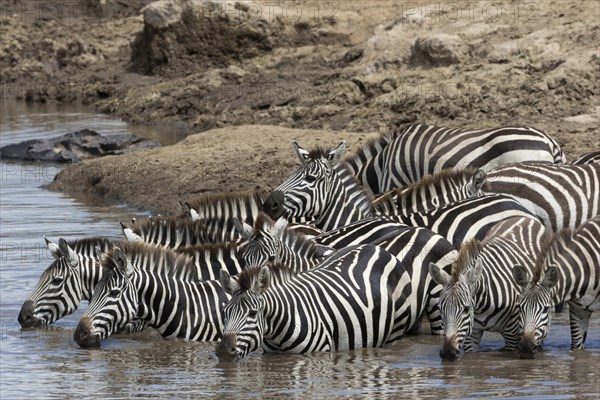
298,253
346,202
91,274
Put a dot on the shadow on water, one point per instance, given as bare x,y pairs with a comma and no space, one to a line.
48,363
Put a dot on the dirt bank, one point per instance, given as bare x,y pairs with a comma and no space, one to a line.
337,66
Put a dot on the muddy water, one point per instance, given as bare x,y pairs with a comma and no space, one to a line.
49,364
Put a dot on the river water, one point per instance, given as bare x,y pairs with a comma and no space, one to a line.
47,363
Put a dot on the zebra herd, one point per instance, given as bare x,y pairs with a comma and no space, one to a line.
473,230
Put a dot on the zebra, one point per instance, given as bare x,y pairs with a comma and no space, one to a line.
210,259
587,158
175,232
480,294
241,205
415,247
418,150
567,269
562,196
355,299
70,279
323,188
466,219
154,285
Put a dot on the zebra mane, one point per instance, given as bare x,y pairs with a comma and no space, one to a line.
153,258
298,242
459,175
549,247
145,223
261,221
246,278
210,199
370,149
210,248
88,244
468,251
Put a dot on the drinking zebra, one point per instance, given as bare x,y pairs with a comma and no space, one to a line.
154,285
353,300
567,269
414,151
480,294
70,278
587,158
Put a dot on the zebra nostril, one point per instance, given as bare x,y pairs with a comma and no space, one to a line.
273,204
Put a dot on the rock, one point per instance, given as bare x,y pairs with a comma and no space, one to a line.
74,147
437,50
162,13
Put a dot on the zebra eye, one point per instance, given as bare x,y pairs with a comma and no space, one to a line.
271,258
310,178
252,313
466,309
57,280
546,309
115,293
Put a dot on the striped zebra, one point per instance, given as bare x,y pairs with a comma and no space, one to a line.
242,205
175,232
562,196
567,270
414,247
480,294
154,285
210,259
70,279
418,150
587,158
354,299
323,189
467,219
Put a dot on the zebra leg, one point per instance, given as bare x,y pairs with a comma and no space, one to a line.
511,340
472,342
579,319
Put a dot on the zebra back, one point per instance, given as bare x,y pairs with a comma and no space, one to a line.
419,149
587,158
361,232
210,259
242,205
562,196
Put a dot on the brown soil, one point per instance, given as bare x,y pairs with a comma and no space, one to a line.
351,66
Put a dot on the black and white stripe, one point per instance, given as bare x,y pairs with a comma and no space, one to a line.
353,300
592,157
567,270
154,285
481,294
418,150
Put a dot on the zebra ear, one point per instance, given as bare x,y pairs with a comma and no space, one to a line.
263,281
229,284
129,234
323,251
53,247
279,227
551,277
245,230
300,152
68,252
193,213
122,262
438,275
520,275
336,154
477,181
473,273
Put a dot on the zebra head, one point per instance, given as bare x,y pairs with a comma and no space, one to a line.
243,317
303,194
114,303
535,301
58,292
264,240
456,305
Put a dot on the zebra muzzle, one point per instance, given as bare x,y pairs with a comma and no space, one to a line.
273,205
84,336
527,346
26,318
450,351
226,348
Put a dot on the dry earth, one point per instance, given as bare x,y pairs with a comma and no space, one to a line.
341,69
